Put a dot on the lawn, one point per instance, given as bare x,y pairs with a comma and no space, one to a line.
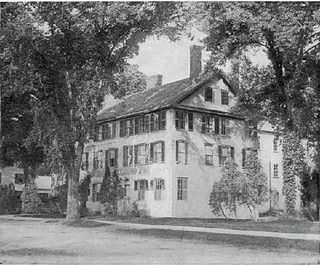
284,226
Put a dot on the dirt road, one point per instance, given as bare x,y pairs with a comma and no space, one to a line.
46,241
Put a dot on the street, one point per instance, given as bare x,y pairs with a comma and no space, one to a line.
49,241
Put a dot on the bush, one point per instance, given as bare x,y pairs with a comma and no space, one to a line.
31,202
8,202
58,201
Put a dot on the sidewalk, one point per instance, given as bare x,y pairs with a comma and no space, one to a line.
296,236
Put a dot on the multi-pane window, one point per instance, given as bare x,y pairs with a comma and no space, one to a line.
106,131
18,179
111,157
139,125
95,191
225,152
85,161
127,155
208,149
154,122
182,188
97,160
157,151
207,123
180,119
275,170
141,154
158,187
208,97
275,144
141,186
224,97
181,152
246,152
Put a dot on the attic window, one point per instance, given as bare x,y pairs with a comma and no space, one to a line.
208,95
224,97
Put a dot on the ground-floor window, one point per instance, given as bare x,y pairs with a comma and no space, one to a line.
95,192
275,170
158,187
141,186
182,188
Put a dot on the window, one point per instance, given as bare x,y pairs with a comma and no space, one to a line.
252,129
275,144
246,152
275,170
225,152
181,152
109,130
127,155
18,179
95,192
158,187
0,178
141,185
224,97
100,132
85,161
157,151
129,127
126,187
208,95
182,188
141,154
138,125
97,159
190,121
146,123
180,119
111,157
208,149
223,126
207,124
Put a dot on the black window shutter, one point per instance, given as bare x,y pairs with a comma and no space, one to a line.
136,125
116,157
216,125
220,154
186,151
122,128
177,150
146,184
136,147
243,157
125,156
131,155
232,152
135,185
190,121
177,119
106,158
146,153
203,125
163,151
151,152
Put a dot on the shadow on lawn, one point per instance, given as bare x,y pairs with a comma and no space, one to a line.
36,252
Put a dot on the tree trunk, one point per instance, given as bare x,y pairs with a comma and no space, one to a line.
73,171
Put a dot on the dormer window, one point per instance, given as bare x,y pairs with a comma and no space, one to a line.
208,95
224,97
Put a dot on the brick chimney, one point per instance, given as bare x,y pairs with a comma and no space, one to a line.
154,81
195,61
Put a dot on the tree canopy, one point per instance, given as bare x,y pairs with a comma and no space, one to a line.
64,55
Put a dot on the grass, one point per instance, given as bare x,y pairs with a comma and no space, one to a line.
86,223
284,226
251,242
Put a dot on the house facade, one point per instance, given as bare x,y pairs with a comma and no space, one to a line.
169,142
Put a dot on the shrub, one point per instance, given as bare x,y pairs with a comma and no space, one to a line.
8,202
31,202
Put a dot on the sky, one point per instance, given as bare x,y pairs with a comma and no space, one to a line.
171,59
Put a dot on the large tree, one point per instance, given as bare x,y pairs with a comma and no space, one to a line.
64,55
286,90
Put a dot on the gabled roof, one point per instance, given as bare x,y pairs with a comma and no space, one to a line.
165,96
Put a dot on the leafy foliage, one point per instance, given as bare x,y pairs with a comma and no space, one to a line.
111,190
31,202
64,55
255,190
227,192
8,202
58,200
293,166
